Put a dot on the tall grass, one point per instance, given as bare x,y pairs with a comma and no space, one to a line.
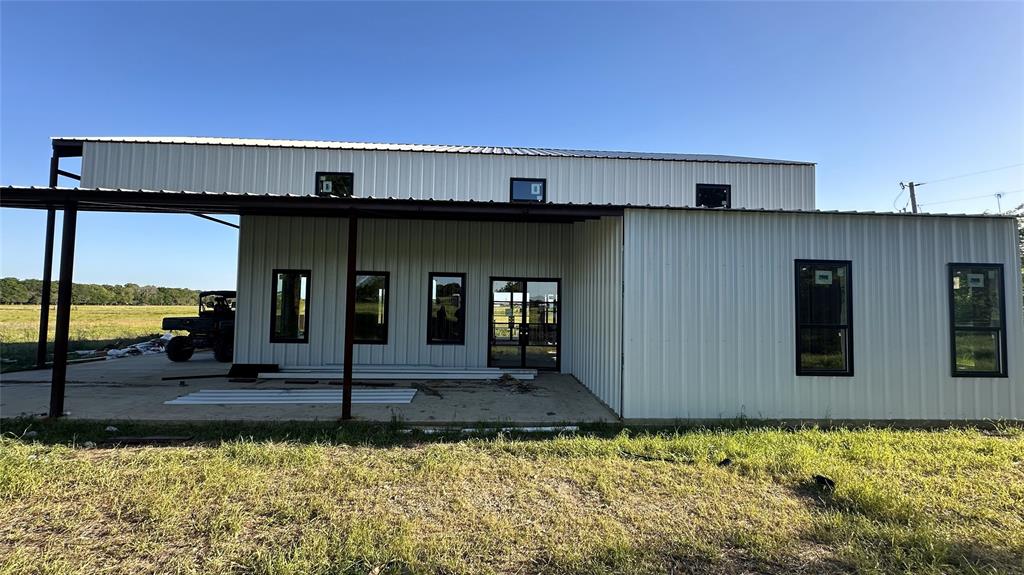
92,327
308,499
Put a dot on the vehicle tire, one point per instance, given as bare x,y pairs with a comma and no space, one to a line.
180,348
224,350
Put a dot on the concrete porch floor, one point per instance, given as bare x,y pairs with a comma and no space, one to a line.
132,389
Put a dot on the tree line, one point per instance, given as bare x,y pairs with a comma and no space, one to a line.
16,291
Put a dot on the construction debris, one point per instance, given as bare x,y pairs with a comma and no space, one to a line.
150,347
509,381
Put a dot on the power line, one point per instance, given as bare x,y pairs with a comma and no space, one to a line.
971,174
997,194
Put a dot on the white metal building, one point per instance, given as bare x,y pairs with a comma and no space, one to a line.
672,286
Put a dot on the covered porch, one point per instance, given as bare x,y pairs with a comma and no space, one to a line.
464,401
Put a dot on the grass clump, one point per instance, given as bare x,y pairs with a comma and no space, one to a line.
319,498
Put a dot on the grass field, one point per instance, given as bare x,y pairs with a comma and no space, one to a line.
92,327
307,498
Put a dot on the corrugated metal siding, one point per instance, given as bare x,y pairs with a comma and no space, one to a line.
594,295
709,316
410,250
439,176
385,147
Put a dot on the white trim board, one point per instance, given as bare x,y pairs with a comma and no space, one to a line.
292,396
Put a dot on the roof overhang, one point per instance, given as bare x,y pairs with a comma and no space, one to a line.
149,201
175,202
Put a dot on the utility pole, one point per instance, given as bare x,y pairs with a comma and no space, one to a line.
913,195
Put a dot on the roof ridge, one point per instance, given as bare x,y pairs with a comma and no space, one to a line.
442,148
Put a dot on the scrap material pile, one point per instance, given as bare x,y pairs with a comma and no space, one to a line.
118,349
142,348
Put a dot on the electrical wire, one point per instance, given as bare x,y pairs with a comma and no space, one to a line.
971,174
997,194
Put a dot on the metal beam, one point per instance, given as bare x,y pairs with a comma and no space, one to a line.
60,340
218,220
69,175
44,297
350,318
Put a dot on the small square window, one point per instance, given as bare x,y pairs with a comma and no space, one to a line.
714,196
338,184
529,190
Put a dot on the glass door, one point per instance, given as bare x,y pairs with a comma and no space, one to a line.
525,323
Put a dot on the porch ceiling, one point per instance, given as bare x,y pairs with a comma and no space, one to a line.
165,201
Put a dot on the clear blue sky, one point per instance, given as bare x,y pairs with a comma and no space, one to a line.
874,93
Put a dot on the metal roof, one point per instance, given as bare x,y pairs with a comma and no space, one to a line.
121,199
382,147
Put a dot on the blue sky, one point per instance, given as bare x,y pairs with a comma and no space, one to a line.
874,93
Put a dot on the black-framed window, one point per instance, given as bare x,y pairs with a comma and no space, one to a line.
289,306
338,184
371,308
977,320
528,190
446,308
713,196
824,318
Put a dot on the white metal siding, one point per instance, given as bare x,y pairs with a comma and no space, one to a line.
440,176
409,250
594,296
709,316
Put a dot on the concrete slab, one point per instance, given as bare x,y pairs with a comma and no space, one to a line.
132,389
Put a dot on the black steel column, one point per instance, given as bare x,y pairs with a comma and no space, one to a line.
60,340
44,299
350,318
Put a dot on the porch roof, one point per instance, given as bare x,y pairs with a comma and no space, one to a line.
169,201
179,201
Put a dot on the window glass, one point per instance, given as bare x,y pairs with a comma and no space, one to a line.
528,190
290,306
976,306
334,184
713,196
824,331
371,322
447,309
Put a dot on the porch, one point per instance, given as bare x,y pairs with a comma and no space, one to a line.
139,388
326,243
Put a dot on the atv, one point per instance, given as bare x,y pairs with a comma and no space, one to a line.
215,327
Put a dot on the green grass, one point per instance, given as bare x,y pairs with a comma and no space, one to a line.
317,498
92,327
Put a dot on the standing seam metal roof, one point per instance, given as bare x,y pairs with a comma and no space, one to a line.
381,147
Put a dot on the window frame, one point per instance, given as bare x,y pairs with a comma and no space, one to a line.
387,306
800,371
511,188
1004,367
728,195
430,304
316,184
273,304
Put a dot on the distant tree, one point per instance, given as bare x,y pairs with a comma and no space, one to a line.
29,291
13,291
